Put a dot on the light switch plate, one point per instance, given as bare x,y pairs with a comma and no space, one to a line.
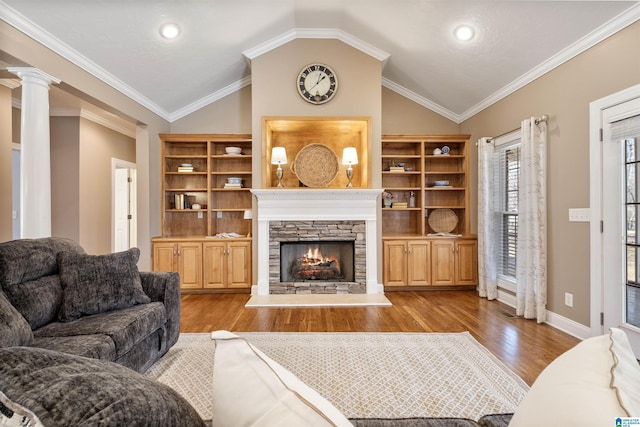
580,215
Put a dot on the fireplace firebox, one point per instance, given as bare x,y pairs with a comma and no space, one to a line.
303,261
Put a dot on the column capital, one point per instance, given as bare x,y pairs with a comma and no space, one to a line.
33,74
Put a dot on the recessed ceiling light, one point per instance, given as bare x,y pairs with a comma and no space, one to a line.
170,31
464,32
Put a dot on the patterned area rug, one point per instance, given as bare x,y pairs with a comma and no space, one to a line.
365,375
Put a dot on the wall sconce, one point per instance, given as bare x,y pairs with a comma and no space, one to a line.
248,214
349,157
279,157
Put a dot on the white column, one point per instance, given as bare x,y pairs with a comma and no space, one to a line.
35,163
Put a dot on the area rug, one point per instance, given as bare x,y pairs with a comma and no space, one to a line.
365,375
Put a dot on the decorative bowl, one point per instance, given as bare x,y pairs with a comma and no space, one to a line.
440,183
186,165
233,150
234,180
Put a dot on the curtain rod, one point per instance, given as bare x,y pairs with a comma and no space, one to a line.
537,121
543,118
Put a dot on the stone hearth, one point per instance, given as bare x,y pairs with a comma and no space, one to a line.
337,214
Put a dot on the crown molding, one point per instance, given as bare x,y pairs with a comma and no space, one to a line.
31,29
10,83
607,29
316,33
426,103
120,126
209,99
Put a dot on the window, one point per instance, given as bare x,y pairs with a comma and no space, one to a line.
506,186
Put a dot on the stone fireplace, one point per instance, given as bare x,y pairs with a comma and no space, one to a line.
317,257
340,223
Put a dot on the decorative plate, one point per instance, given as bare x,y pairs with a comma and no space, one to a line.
443,220
316,165
445,149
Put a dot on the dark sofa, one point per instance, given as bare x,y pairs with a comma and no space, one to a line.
55,296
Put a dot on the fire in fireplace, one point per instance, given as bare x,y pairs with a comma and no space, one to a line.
320,261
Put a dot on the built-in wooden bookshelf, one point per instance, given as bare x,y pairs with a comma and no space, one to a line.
414,253
200,206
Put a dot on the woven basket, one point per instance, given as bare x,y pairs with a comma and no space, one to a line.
443,220
316,165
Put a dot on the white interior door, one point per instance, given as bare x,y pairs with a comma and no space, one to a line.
123,202
121,210
621,224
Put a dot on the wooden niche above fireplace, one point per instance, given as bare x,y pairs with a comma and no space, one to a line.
336,133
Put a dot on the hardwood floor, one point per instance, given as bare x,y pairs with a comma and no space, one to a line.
523,345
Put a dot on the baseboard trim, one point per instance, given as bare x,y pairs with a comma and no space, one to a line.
555,320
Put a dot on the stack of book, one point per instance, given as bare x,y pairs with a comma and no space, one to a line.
185,168
179,200
396,169
233,185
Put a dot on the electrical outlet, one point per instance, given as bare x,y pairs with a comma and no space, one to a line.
219,214
568,299
200,215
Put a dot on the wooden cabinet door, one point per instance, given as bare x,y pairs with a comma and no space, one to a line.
215,264
238,265
395,263
190,265
164,257
442,262
418,260
467,262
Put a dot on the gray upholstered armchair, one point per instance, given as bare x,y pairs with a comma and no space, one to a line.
55,296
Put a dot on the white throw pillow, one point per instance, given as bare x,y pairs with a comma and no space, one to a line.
250,389
592,384
14,415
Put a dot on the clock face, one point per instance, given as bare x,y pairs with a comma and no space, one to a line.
317,83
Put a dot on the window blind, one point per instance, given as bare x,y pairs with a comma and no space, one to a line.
625,128
506,186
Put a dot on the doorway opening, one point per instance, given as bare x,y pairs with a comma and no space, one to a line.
615,258
124,214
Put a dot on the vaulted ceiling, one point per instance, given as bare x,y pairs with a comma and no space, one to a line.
515,42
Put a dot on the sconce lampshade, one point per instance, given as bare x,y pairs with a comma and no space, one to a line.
248,214
278,156
349,156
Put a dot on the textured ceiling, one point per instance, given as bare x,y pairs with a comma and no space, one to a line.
118,41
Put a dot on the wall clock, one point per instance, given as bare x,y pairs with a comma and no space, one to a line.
317,83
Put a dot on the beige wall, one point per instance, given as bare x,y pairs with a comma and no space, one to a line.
81,177
275,93
98,145
231,114
564,95
6,225
65,177
401,115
